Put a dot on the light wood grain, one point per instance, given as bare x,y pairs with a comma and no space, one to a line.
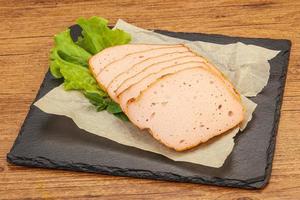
27,27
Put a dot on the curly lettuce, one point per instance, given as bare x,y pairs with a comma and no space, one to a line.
69,60
96,35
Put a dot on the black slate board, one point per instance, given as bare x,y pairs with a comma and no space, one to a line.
52,141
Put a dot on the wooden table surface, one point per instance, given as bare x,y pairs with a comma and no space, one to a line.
26,36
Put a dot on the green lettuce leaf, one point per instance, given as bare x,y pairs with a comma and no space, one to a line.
69,60
77,77
96,35
65,49
105,103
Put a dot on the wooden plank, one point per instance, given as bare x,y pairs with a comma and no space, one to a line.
25,40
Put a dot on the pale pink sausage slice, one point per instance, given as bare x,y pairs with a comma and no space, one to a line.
163,59
114,69
224,79
111,54
155,68
219,74
186,108
134,90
